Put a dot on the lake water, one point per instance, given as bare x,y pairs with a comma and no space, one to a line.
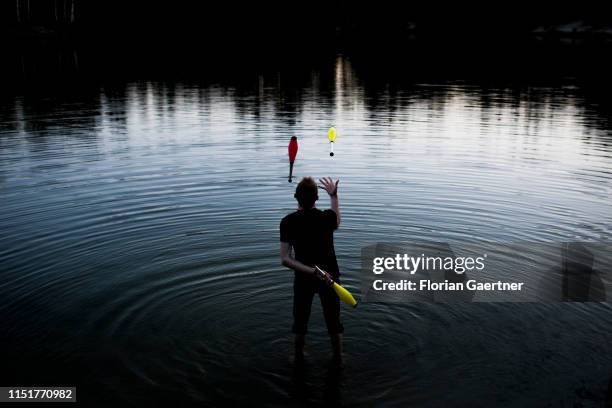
139,244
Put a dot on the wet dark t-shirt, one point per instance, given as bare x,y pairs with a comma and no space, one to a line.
311,234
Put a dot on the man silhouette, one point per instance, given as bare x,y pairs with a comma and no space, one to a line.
309,232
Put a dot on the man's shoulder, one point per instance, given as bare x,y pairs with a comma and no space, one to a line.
299,213
290,216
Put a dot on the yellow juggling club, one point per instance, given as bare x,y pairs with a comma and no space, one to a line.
345,295
331,135
342,293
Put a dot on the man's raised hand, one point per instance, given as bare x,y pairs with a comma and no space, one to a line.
328,185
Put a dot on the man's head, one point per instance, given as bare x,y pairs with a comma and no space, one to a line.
306,193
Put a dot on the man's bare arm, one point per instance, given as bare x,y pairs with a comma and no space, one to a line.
290,262
335,205
332,189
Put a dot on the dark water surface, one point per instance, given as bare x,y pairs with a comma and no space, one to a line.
139,238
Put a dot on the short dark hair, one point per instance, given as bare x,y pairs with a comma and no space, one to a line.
306,193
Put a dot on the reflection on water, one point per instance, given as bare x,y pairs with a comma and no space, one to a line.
140,236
